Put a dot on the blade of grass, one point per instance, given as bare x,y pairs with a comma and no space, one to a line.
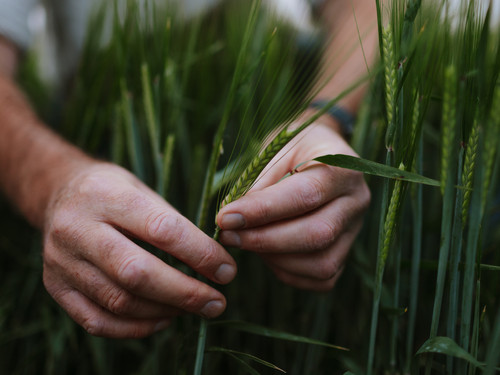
493,351
168,153
445,345
256,329
246,355
455,256
417,215
133,139
249,369
151,124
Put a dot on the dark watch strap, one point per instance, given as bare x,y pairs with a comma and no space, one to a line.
345,118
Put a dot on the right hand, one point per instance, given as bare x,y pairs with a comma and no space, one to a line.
108,284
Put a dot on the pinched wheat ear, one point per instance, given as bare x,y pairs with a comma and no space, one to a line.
253,170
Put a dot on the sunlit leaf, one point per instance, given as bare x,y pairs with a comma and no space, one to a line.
445,345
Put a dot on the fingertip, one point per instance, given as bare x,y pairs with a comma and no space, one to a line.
213,309
225,273
230,238
162,325
231,221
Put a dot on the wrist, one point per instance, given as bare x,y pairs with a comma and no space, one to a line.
35,162
342,117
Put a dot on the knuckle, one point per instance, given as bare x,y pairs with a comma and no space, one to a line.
208,258
91,185
326,270
119,302
133,273
93,325
165,228
311,194
63,226
321,235
192,300
254,240
263,209
50,260
57,292
65,235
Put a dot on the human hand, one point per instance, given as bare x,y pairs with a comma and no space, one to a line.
304,225
107,283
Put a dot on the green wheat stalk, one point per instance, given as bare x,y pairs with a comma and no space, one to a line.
387,234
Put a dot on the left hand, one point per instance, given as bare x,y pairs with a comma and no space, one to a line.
304,225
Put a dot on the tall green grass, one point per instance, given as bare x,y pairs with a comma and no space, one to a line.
185,105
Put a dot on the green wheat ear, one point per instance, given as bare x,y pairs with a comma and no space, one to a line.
390,220
258,163
449,121
470,163
391,84
491,144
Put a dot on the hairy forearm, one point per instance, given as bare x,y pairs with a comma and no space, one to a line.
34,161
352,50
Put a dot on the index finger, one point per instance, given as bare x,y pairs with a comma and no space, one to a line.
154,221
141,273
296,195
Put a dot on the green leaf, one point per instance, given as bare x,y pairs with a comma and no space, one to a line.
266,332
373,168
246,355
445,345
489,267
250,370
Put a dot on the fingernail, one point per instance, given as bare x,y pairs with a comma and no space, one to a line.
232,221
212,309
225,273
160,326
230,238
